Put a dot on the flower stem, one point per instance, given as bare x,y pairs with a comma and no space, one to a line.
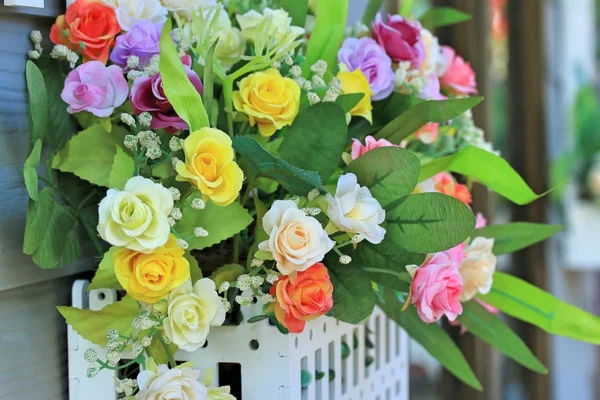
168,351
228,96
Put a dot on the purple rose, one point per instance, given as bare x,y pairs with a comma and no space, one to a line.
147,94
96,88
372,60
142,41
400,38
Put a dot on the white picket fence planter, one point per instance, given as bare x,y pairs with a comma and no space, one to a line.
268,363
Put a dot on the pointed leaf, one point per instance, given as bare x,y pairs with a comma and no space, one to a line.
491,329
30,174
429,222
105,277
526,302
489,169
428,111
297,10
208,82
515,236
442,16
371,11
38,102
348,101
121,170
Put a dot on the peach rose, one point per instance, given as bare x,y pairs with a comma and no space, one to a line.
428,133
308,297
88,27
445,183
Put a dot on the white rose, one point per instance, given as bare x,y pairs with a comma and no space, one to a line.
191,312
434,61
355,210
231,47
296,240
281,23
185,8
478,267
175,383
130,12
137,216
220,393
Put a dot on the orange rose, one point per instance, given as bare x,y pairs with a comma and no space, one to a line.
445,183
308,297
89,27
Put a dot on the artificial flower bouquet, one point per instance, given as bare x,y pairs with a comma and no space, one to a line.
217,155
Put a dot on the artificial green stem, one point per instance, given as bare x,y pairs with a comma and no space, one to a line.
249,189
228,97
168,351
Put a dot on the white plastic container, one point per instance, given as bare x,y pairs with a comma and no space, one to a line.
269,364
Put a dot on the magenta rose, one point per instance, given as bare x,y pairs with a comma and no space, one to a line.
459,77
400,38
436,289
147,94
95,88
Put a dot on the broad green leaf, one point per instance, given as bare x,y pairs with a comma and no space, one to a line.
348,101
327,36
353,296
442,16
157,349
182,95
526,302
297,10
390,173
38,102
229,273
373,6
195,271
207,82
307,146
432,337
50,232
105,277
427,111
492,330
90,154
489,169
93,325
220,222
515,236
60,124
262,163
121,170
30,174
429,222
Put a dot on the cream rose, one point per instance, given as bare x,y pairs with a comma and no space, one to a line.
355,210
130,12
137,216
296,240
220,393
478,267
191,312
434,62
281,24
185,8
175,383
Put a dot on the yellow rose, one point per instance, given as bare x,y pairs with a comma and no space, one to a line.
150,277
356,82
268,99
210,167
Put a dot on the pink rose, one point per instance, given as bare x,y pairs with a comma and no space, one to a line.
428,133
432,90
147,94
436,288
95,88
480,221
370,143
459,77
456,254
400,38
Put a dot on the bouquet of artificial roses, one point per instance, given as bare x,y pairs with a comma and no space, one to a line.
228,154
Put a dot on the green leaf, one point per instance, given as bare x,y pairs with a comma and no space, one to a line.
526,302
390,173
517,235
105,277
220,222
442,16
353,297
106,124
51,235
405,8
182,95
229,273
257,318
432,337
121,170
489,169
30,174
371,11
157,349
327,36
262,163
207,82
348,101
38,102
491,329
306,137
93,325
90,154
305,379
297,10
420,114
429,222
